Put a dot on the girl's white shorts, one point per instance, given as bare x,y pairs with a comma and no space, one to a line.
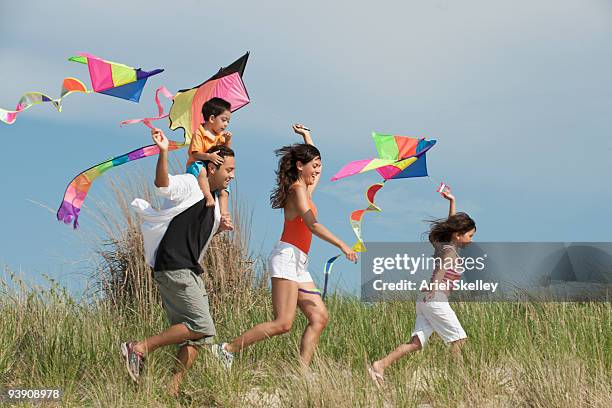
288,262
436,315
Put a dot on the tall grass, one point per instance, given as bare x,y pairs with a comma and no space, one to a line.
124,279
545,355
518,354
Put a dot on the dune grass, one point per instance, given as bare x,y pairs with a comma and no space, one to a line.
548,355
517,354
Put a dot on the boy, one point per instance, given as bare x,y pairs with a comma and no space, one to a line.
217,114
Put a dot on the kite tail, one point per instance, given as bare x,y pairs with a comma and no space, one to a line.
327,271
27,100
357,215
79,186
160,109
355,219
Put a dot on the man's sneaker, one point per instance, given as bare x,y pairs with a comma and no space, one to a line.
225,357
134,360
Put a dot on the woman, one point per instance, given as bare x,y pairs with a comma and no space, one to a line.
298,173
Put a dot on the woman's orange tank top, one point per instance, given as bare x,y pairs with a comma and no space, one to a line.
296,233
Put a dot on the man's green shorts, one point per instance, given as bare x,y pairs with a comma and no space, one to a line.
185,301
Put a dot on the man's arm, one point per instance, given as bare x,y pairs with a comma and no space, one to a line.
161,171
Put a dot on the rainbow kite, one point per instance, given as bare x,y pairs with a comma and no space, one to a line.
399,157
184,113
110,78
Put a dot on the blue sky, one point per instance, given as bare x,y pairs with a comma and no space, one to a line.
517,93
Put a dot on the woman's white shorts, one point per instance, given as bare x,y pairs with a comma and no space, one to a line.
436,315
288,262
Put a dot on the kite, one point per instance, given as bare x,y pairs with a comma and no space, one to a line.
186,110
110,78
398,157
114,79
185,113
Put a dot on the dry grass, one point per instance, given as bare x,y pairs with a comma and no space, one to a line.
518,354
123,278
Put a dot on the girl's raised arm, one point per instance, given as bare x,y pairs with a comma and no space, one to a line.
452,210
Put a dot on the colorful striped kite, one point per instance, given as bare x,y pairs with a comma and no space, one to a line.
399,157
110,78
187,105
114,79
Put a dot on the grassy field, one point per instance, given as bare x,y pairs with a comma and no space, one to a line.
548,355
517,354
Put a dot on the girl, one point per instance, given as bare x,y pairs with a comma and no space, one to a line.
433,312
298,173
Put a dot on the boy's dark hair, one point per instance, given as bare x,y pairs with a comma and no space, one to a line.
215,107
222,151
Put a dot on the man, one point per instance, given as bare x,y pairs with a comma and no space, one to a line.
175,239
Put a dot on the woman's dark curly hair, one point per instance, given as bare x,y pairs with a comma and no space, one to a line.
287,172
441,231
